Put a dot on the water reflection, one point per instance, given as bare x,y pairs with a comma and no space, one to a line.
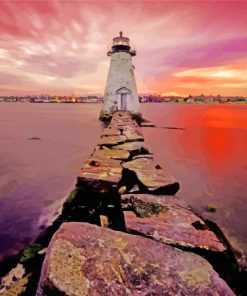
208,158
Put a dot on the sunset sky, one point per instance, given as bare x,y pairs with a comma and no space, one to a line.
186,47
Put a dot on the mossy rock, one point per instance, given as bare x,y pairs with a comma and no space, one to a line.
70,202
105,117
138,118
146,209
72,196
30,252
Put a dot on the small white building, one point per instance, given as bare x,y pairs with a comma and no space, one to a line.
120,91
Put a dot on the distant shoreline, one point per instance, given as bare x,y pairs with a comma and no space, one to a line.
165,102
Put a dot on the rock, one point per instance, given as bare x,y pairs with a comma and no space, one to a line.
111,131
42,252
147,124
30,252
131,146
172,200
133,134
122,115
15,282
123,120
211,208
157,181
140,206
135,188
88,260
104,221
73,195
123,126
168,221
111,140
97,170
105,117
122,190
34,138
149,156
93,162
173,128
107,153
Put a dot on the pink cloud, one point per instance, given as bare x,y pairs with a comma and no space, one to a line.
44,43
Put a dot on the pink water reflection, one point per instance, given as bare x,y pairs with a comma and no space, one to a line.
208,157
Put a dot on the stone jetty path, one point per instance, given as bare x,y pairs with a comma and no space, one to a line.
123,231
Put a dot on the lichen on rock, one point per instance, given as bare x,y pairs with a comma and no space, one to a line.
143,209
84,259
15,282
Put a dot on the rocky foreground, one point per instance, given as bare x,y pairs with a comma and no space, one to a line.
123,231
84,259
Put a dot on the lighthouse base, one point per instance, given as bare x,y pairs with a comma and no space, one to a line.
106,116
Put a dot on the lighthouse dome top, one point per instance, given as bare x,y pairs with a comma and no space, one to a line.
120,40
121,44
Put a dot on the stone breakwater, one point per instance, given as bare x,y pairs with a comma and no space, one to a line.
123,231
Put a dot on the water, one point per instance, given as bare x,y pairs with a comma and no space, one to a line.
37,175
208,158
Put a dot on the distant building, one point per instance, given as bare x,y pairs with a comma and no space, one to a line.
190,100
92,99
24,99
142,99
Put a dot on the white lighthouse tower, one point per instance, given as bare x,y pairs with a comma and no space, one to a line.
120,91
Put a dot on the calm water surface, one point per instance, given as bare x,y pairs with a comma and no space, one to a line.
37,175
208,158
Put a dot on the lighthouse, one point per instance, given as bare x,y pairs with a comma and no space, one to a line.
120,90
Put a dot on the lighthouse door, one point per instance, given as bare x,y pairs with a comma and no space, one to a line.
123,101
123,98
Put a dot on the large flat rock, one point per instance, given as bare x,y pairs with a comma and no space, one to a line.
123,122
96,170
84,259
133,134
152,178
111,131
111,140
121,114
123,119
131,146
94,163
107,153
123,126
168,221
